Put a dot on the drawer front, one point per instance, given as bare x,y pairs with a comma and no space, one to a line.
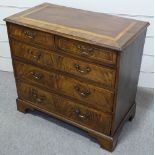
89,95
86,50
31,36
87,117
102,75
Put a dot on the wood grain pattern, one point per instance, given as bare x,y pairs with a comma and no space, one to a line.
31,35
104,76
90,95
65,108
109,33
95,53
105,141
94,91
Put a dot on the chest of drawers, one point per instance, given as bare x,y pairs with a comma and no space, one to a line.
78,66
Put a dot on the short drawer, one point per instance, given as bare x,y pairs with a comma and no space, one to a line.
65,108
88,94
31,36
99,74
85,50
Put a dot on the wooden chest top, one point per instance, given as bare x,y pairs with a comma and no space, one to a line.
96,28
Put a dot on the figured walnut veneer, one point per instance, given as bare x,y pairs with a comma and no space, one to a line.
78,66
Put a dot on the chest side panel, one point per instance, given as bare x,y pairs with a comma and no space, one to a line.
129,69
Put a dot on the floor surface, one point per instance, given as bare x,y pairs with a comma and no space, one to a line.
36,133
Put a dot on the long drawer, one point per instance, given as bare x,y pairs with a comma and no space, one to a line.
100,74
29,35
65,108
88,94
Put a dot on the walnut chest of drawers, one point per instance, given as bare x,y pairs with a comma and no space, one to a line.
78,66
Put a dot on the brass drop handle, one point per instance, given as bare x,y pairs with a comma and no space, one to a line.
85,50
83,93
78,113
29,34
36,75
38,99
82,71
36,56
84,53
